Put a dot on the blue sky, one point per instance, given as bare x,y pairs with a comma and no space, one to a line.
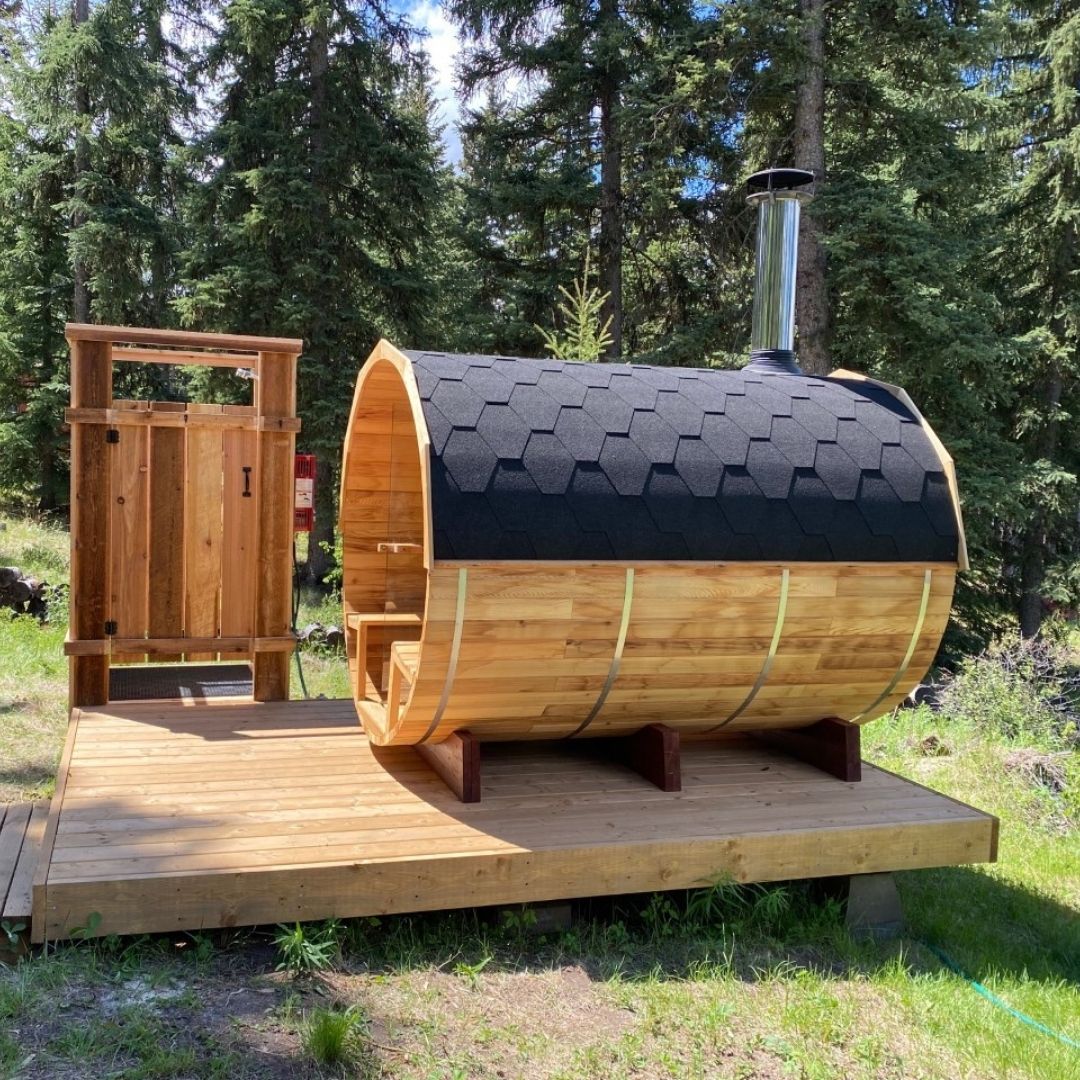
442,45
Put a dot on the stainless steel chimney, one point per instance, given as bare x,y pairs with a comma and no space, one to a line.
778,194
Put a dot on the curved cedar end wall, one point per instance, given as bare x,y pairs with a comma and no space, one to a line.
543,648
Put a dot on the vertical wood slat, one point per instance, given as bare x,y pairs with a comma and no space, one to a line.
129,540
239,529
275,397
166,527
91,388
202,546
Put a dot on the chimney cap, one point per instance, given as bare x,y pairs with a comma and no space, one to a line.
779,180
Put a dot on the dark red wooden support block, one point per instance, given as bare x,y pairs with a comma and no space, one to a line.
457,762
653,753
830,745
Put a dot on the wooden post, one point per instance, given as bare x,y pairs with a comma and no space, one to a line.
275,398
91,388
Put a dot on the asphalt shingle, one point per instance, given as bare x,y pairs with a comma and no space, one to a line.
534,459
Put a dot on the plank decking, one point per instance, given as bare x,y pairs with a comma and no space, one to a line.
172,817
21,828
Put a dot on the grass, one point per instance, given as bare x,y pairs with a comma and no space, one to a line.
727,982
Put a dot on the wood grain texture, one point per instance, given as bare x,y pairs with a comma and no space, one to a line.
183,339
538,641
166,528
18,904
91,387
129,543
232,813
456,761
275,397
831,745
240,524
202,523
541,643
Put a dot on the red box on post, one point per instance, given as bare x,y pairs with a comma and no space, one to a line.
304,499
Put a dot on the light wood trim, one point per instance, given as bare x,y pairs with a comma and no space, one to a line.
141,335
948,465
382,618
185,357
385,352
171,645
144,417
275,396
39,899
689,565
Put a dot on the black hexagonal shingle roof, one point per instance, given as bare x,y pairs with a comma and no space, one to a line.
536,459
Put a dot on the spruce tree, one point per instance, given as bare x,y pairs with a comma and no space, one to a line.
1037,269
319,178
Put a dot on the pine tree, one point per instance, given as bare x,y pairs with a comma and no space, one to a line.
1037,269
590,133
319,177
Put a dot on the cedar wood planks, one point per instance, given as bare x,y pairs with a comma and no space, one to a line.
238,816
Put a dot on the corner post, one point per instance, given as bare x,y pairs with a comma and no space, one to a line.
275,397
91,388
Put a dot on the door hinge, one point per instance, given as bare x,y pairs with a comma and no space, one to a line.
112,435
110,627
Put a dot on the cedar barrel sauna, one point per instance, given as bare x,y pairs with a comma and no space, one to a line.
545,550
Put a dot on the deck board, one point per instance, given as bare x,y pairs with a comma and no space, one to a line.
176,816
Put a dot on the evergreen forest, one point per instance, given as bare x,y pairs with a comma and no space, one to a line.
284,167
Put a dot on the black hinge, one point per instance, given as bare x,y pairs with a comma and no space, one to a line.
112,435
110,627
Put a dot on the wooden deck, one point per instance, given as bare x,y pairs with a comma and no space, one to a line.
21,828
227,813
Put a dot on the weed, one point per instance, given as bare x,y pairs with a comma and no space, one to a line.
661,917
307,949
331,1036
471,972
11,931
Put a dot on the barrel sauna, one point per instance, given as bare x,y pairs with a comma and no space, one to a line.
544,550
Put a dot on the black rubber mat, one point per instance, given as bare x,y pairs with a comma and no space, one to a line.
179,681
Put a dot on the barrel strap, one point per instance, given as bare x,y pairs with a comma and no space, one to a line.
781,613
924,603
616,660
455,649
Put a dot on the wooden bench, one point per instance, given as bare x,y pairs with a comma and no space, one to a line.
360,622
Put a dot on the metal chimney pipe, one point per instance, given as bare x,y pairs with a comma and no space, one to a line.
778,194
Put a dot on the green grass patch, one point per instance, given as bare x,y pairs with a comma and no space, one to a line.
728,981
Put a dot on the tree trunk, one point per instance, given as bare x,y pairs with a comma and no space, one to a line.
321,561
81,306
611,224
1033,560
159,246
812,314
320,558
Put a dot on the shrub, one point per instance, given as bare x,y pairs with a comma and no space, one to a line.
1023,690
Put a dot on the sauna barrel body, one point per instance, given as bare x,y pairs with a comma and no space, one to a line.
545,550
